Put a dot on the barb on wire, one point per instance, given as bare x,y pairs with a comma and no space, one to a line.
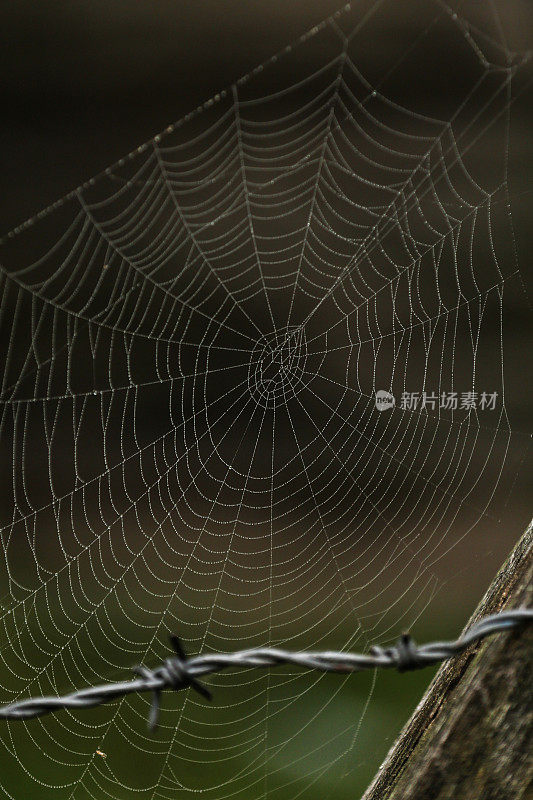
181,672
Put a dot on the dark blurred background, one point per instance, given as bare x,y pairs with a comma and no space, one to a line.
83,83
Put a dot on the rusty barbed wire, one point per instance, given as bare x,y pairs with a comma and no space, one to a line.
182,672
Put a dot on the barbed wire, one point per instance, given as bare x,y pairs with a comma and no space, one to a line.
182,672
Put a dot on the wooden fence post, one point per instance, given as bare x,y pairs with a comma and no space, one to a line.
471,736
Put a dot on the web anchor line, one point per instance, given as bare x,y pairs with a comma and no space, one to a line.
181,672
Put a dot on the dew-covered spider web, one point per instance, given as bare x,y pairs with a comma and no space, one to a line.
192,344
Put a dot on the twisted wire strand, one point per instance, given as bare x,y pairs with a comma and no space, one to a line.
180,671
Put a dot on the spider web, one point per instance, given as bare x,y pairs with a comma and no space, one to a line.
192,343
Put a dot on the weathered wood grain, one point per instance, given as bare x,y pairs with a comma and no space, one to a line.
471,737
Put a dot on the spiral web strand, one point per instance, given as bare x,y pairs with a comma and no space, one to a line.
192,344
